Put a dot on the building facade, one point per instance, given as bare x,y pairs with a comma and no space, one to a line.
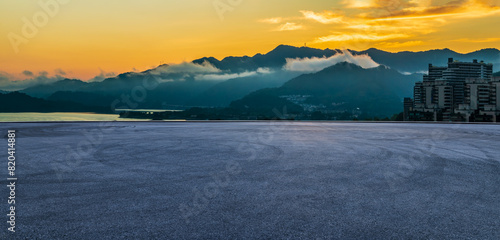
462,91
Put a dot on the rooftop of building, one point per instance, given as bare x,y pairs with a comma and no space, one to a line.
452,61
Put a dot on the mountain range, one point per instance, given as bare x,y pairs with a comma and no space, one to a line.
407,62
338,85
411,62
341,88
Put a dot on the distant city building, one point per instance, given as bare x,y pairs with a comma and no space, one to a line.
463,91
408,105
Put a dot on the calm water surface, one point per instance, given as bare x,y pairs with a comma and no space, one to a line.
50,117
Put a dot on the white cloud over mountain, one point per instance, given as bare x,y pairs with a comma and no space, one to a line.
186,67
317,64
9,82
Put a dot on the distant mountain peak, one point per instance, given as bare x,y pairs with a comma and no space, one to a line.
375,50
70,80
445,50
127,75
282,48
210,60
488,50
343,65
236,58
162,65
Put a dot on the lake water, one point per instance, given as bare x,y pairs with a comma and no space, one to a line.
51,117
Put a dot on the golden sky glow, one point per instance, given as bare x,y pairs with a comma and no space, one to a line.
85,38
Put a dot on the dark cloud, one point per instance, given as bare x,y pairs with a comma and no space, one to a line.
8,82
28,73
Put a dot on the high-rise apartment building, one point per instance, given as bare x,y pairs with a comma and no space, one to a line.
462,91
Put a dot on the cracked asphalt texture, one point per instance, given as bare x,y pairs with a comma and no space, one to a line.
254,180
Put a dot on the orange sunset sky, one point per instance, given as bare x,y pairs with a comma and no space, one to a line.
85,38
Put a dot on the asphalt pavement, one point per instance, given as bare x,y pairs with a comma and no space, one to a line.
253,180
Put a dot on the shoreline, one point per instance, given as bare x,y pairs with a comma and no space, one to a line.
263,121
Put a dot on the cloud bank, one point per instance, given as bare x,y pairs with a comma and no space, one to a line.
186,67
227,76
362,23
103,75
26,79
165,73
317,64
199,72
9,82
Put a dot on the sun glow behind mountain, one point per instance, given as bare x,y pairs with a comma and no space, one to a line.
84,39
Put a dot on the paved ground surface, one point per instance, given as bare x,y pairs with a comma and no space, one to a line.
254,180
